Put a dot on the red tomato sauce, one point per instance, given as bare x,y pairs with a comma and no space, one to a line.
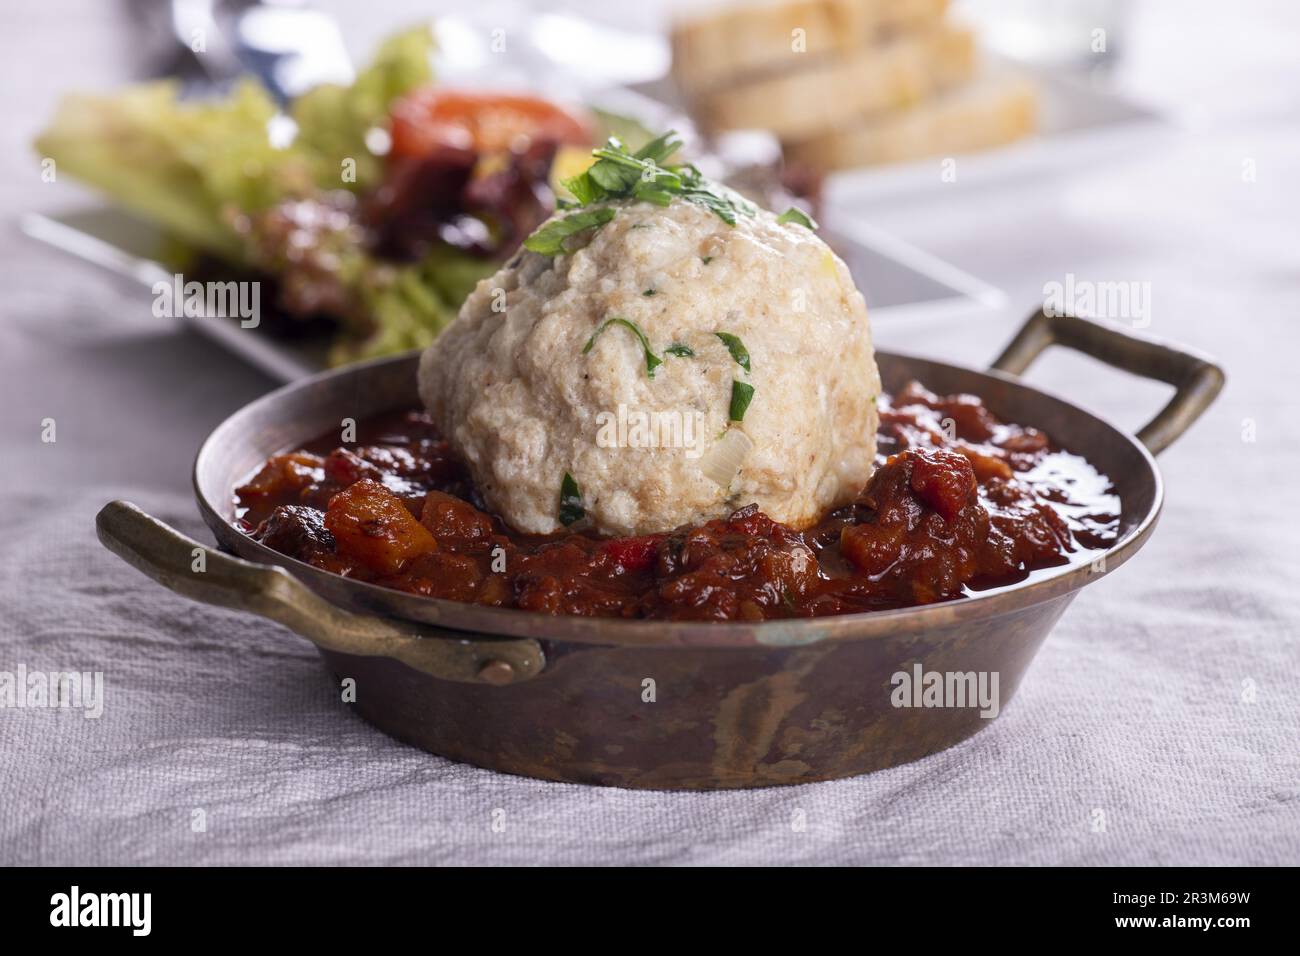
959,502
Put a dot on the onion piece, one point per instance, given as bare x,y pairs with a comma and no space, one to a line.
722,462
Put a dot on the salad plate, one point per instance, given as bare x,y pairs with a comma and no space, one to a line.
360,214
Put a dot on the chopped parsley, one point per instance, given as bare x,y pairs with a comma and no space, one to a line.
549,240
652,361
737,350
648,292
742,394
680,350
797,215
644,175
571,508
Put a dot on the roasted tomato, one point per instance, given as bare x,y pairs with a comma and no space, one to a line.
431,119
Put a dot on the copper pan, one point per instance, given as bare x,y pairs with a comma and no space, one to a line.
653,704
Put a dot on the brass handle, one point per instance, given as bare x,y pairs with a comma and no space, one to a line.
1196,378
214,577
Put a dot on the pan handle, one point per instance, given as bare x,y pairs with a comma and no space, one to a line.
214,577
1196,379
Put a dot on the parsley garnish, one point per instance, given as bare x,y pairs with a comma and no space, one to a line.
549,240
652,361
741,395
619,173
737,350
571,509
681,351
795,214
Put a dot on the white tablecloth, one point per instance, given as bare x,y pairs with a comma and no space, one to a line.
1159,724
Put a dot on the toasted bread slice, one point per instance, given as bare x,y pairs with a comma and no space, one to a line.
721,46
838,90
990,112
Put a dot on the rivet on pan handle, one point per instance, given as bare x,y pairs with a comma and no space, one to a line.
1196,378
171,559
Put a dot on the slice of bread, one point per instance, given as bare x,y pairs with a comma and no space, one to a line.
990,112
737,41
903,14
829,93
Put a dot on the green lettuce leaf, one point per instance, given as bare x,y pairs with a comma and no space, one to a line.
333,120
191,167
405,307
